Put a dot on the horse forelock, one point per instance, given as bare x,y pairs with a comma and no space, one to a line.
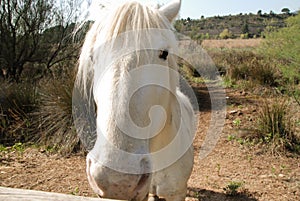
133,16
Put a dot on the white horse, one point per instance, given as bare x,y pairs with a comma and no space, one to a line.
145,125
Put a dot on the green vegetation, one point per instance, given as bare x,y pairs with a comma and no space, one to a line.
250,25
232,188
274,65
75,191
237,122
245,65
3,149
36,37
38,56
39,113
276,127
225,34
17,147
284,45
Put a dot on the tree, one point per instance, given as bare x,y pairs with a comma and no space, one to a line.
60,37
21,23
178,25
23,33
207,36
272,13
225,34
259,12
245,28
285,10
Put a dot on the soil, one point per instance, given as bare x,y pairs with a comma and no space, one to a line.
259,174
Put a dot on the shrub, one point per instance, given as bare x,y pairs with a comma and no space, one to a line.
18,101
39,114
276,126
284,44
244,36
232,188
225,34
55,122
247,65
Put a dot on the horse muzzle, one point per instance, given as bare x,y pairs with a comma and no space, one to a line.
108,183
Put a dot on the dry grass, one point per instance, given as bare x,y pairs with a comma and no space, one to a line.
231,43
276,126
241,64
17,103
55,122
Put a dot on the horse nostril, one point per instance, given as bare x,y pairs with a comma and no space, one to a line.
163,54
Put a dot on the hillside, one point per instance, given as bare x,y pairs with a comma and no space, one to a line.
251,25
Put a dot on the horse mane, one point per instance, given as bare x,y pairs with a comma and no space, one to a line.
127,17
133,16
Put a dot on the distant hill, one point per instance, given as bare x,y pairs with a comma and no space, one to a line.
235,26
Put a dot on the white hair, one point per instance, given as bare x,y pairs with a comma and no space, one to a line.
127,17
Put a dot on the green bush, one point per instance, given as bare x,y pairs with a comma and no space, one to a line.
232,188
244,36
225,34
284,44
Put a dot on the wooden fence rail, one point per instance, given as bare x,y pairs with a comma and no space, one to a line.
12,194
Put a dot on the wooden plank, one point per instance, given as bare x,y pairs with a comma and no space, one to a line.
13,194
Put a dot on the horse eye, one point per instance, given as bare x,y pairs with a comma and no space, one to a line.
163,54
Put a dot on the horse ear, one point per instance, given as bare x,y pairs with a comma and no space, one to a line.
171,9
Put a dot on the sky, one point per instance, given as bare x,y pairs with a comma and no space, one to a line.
208,8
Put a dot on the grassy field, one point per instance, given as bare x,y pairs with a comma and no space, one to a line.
231,43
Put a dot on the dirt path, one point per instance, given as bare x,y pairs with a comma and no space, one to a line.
260,176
